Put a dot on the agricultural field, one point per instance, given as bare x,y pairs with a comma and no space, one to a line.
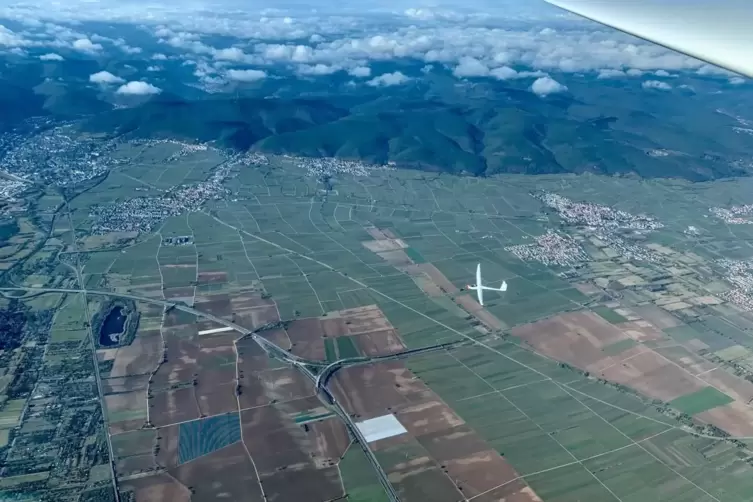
624,376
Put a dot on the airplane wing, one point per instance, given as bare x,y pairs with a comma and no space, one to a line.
715,31
480,293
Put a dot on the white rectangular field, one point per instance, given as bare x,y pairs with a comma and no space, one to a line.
215,330
382,427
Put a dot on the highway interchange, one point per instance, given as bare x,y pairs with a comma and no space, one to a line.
319,378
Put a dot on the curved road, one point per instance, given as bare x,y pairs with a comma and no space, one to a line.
270,348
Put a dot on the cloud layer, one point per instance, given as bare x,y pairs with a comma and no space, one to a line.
504,40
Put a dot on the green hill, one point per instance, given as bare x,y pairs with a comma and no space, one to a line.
237,123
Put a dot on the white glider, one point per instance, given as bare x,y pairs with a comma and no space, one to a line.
479,287
716,31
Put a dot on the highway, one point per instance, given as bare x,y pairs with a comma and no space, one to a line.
271,349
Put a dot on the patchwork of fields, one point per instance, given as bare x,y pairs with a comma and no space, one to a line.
357,277
608,380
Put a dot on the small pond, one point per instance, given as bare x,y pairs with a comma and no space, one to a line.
112,328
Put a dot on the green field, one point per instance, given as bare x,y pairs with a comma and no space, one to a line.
700,401
329,350
609,315
360,480
548,417
346,347
618,347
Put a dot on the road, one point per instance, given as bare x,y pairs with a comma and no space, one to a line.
269,347
93,340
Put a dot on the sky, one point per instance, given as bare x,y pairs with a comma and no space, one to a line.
229,41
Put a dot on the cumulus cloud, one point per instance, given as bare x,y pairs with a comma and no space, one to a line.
360,72
105,77
656,84
51,57
86,45
153,68
246,75
230,54
737,81
465,40
507,73
470,67
317,69
545,86
288,53
609,74
388,79
159,56
707,69
138,88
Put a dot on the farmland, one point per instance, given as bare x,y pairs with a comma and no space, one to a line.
615,378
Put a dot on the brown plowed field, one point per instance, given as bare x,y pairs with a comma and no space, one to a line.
468,460
124,384
285,384
256,317
304,483
380,343
577,339
516,491
737,388
218,305
457,463
421,479
168,440
230,471
640,331
654,376
134,464
141,357
736,418
306,338
216,399
273,439
376,233
157,488
371,330
173,406
428,417
182,362
329,440
125,426
364,319
438,278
